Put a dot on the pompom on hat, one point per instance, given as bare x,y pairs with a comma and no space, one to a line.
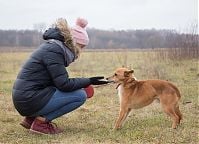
79,33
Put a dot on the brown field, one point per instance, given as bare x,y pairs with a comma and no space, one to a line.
93,122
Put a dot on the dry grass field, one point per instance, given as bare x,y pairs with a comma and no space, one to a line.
93,122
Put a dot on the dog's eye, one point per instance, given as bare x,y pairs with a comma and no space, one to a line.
115,74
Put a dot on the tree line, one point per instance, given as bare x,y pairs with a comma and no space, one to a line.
101,39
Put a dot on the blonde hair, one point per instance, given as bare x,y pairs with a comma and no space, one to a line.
62,25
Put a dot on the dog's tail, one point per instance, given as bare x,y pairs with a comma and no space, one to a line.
177,90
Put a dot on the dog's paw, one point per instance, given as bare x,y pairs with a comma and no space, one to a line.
117,128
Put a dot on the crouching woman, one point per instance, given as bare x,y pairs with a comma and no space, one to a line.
43,90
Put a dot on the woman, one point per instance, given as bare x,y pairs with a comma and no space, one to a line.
43,90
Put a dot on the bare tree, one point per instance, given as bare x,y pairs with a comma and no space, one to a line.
39,27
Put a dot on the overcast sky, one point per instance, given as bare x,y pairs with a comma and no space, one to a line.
101,14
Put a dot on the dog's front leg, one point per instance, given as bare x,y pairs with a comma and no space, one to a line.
129,110
122,116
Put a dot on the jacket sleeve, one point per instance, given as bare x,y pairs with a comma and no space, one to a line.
54,62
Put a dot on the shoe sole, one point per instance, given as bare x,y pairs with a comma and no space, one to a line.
36,132
40,133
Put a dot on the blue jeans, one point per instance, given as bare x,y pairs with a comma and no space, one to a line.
62,103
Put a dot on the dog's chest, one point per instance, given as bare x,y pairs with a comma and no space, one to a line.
120,91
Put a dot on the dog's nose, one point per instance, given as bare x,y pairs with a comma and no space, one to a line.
108,80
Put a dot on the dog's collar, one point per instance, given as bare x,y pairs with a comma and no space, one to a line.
118,86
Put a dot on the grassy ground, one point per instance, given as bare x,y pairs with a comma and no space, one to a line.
93,122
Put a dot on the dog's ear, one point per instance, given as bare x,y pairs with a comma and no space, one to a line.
128,73
131,71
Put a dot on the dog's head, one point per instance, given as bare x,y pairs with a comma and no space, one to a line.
121,75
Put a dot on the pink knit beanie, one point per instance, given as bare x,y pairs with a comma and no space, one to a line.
79,33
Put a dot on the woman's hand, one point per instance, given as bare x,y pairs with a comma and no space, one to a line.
98,80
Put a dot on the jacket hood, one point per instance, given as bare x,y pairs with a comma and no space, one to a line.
61,31
53,33
68,54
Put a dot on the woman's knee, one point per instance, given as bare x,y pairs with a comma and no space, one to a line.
82,95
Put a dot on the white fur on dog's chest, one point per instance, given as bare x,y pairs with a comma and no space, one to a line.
120,91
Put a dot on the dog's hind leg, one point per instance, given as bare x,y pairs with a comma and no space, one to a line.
170,110
177,110
122,116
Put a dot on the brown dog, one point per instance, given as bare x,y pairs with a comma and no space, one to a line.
136,94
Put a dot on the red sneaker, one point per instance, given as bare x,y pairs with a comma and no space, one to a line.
27,122
41,127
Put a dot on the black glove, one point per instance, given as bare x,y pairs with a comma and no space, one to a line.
98,80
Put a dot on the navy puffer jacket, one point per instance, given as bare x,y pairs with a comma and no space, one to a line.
42,73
